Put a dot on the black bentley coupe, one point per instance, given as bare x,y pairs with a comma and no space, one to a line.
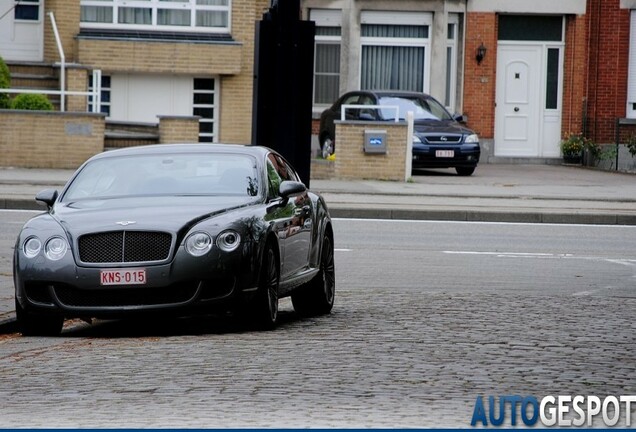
176,229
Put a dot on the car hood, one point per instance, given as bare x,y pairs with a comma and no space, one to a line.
443,127
170,214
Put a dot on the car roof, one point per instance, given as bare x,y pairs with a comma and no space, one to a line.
393,93
257,151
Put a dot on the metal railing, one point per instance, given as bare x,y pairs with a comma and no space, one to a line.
95,93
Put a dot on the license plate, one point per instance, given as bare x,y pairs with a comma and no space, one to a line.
445,153
123,277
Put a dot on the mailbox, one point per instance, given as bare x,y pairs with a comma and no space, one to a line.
375,141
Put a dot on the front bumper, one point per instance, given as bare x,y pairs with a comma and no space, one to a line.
183,284
437,156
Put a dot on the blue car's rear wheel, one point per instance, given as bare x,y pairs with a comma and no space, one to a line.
32,324
317,297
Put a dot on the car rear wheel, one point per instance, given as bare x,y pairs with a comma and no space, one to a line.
465,171
264,307
317,297
31,324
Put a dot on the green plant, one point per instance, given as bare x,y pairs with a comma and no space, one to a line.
30,101
573,144
631,145
5,81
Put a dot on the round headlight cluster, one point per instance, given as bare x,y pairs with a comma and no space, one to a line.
54,249
228,241
473,138
198,244
32,247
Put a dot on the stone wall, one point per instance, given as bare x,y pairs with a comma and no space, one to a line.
43,139
177,129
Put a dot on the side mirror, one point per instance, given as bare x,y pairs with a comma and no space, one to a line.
47,196
289,188
460,118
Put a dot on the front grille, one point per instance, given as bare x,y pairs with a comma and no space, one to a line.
125,296
443,139
124,247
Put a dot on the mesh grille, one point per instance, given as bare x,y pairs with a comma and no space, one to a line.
443,139
124,296
124,246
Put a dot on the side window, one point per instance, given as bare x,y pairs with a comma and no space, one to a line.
290,173
351,113
273,177
367,113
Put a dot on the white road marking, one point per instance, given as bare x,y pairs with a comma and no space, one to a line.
418,221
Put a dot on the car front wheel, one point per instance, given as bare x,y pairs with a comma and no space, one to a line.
326,147
317,297
465,171
264,307
31,324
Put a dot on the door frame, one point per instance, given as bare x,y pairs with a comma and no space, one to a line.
548,120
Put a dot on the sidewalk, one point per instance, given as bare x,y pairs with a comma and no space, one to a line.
495,193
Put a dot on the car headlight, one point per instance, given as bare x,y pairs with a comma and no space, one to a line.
32,247
55,248
228,241
416,139
198,244
473,138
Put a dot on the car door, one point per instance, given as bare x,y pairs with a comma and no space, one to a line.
293,219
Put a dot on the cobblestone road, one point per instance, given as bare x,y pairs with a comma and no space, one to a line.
390,355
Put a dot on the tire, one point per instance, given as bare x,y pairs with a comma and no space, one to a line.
465,171
317,297
264,307
326,147
31,324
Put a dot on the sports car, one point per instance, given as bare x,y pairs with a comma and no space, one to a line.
175,229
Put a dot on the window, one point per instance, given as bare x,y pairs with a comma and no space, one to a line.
452,38
178,15
27,10
395,51
327,56
104,102
204,98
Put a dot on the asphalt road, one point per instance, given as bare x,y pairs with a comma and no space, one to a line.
428,316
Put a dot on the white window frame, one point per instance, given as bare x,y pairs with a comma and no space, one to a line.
37,3
399,18
215,106
451,76
630,109
325,18
155,6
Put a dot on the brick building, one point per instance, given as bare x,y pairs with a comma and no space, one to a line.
549,67
157,58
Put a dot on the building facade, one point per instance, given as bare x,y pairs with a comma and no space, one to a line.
157,58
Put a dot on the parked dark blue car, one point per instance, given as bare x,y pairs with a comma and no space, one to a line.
440,140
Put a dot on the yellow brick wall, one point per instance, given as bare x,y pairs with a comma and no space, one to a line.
60,140
353,163
67,17
160,57
174,129
236,91
76,80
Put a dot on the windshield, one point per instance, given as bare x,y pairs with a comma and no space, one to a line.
422,108
167,174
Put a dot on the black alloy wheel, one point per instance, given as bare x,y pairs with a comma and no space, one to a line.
265,304
465,171
317,297
31,324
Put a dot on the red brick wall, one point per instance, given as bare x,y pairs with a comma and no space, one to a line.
480,80
574,75
608,42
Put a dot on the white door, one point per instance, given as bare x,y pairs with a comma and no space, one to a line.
21,30
517,113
